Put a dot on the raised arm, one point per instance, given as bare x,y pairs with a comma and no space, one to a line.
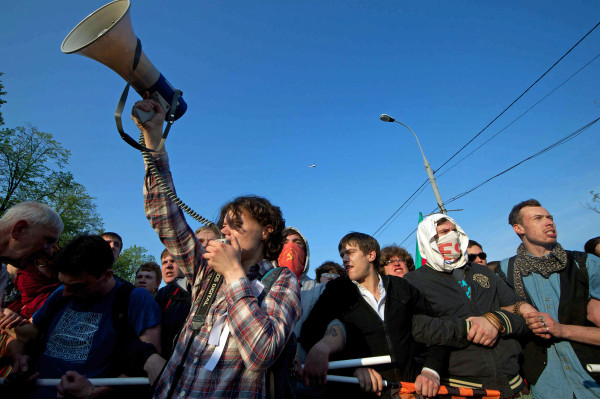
164,216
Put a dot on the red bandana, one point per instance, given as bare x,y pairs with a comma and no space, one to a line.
293,257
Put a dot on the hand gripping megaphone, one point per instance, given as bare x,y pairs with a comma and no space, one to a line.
106,35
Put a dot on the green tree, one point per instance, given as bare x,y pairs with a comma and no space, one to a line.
130,259
31,164
76,208
32,168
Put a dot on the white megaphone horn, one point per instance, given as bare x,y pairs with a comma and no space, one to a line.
106,35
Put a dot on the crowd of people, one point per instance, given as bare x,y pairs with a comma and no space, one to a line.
238,315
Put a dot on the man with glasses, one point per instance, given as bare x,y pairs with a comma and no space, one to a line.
396,261
476,255
329,271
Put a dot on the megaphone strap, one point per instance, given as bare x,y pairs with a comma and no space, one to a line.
118,112
170,120
121,105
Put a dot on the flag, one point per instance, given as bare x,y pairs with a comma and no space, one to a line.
418,260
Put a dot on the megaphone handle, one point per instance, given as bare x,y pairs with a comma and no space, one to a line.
142,116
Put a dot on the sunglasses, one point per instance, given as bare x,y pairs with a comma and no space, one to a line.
481,255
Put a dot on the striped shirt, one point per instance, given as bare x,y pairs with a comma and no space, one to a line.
257,334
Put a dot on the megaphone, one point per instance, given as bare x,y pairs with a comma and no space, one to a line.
106,35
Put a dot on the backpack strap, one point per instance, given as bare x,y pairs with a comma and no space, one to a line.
580,261
268,280
510,272
129,349
580,258
120,311
280,378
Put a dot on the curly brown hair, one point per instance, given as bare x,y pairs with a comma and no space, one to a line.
265,213
391,251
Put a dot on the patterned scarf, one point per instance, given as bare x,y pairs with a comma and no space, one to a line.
525,264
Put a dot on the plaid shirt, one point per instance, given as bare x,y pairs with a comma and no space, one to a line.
257,334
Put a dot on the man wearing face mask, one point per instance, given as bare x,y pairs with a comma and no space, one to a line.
295,256
457,288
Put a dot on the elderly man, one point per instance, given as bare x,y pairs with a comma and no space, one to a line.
27,230
565,286
457,288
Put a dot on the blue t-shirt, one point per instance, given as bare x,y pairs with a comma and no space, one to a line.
81,337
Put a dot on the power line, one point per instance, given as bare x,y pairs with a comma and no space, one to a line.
410,202
518,98
488,125
559,142
408,236
406,204
401,206
550,147
413,232
520,116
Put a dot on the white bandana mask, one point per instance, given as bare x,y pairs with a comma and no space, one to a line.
449,246
429,245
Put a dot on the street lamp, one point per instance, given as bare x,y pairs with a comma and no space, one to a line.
436,192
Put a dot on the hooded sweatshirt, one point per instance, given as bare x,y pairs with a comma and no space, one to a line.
310,291
496,367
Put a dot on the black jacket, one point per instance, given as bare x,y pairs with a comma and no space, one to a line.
175,304
496,367
367,335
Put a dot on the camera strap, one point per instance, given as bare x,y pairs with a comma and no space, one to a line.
207,299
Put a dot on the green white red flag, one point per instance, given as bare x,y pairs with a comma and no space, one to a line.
418,260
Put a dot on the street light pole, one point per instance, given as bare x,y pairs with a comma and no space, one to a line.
436,191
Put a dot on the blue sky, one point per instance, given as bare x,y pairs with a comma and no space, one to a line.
275,86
